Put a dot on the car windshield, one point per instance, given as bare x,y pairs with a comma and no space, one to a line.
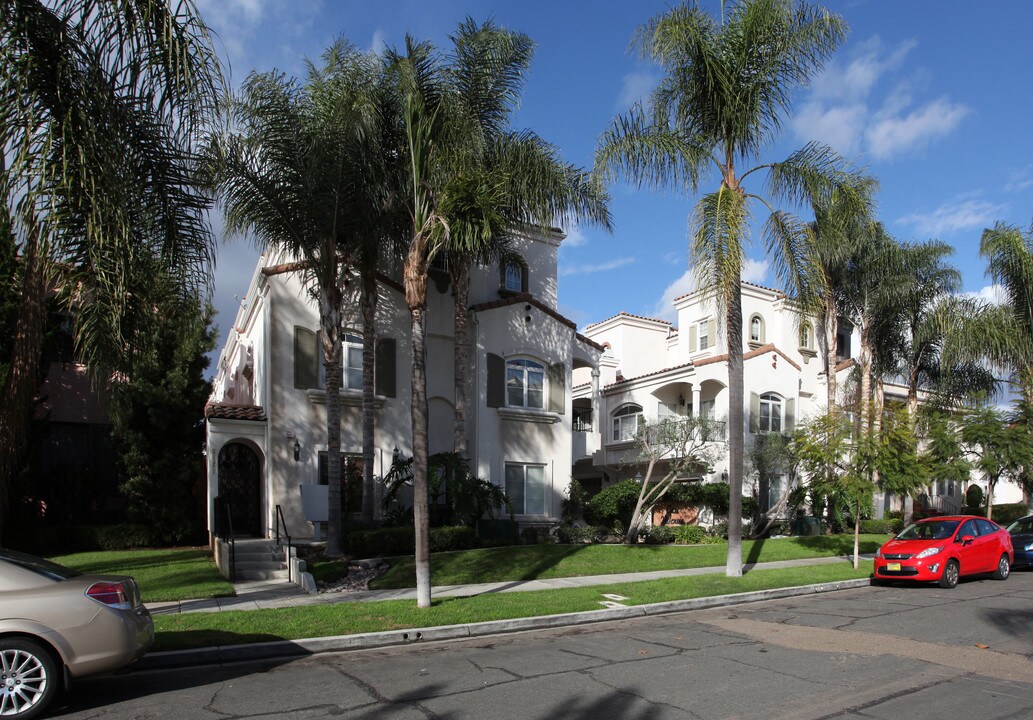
1021,526
932,530
37,565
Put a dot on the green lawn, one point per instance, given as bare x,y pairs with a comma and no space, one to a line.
192,630
530,562
170,574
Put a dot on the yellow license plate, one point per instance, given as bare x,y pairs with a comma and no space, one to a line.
893,567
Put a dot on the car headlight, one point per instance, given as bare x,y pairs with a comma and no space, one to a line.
1028,546
878,553
928,552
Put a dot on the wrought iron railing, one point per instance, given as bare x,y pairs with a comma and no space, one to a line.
280,521
582,420
669,428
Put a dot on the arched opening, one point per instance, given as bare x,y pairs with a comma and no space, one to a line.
240,486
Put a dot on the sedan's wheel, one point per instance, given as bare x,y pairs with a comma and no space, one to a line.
28,678
951,571
1003,568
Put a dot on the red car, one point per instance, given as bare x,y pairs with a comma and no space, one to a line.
942,549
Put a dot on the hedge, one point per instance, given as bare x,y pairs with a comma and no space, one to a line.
387,542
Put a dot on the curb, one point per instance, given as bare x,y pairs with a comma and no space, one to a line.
311,646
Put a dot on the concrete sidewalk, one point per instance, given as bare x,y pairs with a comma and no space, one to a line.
266,594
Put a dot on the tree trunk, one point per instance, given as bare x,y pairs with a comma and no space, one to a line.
419,462
23,376
459,267
330,324
733,324
368,304
831,333
857,536
912,418
415,277
865,365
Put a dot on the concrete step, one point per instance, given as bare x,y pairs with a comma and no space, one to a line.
260,575
260,565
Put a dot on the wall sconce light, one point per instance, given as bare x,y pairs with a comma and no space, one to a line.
681,400
724,476
297,450
638,477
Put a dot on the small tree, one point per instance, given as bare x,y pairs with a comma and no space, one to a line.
1001,448
672,450
772,456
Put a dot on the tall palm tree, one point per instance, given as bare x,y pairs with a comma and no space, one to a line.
727,89
298,170
1007,338
505,180
101,103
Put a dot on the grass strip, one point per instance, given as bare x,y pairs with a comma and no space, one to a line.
531,562
162,575
194,630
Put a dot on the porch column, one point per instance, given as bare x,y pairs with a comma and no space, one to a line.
695,400
596,401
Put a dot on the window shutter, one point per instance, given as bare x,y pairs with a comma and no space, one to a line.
306,369
754,412
712,332
496,381
523,279
557,388
385,377
692,338
790,418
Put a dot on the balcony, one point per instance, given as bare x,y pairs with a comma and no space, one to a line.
672,430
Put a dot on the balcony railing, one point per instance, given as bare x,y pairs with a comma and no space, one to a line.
670,429
582,420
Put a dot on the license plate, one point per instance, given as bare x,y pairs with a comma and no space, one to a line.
893,567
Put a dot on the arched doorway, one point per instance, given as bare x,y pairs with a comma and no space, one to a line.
240,486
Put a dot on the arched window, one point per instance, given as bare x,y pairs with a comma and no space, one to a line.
756,329
525,383
805,336
770,413
626,422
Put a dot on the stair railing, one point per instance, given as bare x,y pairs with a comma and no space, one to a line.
280,521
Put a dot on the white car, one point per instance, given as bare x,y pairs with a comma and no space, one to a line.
57,625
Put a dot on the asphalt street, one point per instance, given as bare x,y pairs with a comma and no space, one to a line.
912,652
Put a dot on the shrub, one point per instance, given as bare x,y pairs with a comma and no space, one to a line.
386,542
1007,513
974,496
885,526
571,535
660,534
689,534
536,536
614,505
575,505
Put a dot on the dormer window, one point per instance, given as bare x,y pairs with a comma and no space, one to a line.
514,278
805,336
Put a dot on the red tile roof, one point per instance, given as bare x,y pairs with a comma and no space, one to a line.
225,411
627,314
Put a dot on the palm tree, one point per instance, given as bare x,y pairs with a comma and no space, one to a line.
472,180
727,89
504,180
1007,338
299,170
100,106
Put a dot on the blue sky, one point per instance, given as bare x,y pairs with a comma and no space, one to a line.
933,97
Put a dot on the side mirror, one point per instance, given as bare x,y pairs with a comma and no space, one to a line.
966,539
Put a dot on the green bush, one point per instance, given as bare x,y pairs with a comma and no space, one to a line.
51,540
974,496
613,506
387,542
659,534
571,535
536,536
689,534
1008,513
884,526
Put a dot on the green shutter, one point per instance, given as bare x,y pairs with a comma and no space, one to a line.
496,381
385,377
754,412
557,388
790,418
692,338
306,369
712,333
523,279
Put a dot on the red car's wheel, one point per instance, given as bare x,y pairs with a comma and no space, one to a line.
951,573
1003,568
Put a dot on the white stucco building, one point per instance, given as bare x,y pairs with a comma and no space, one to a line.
267,415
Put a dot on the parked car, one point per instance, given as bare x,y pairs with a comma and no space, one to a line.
1021,532
57,624
943,549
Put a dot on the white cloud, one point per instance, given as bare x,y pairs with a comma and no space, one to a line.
843,112
635,86
664,308
892,134
600,267
952,217
575,237
1019,180
993,294
755,271
378,44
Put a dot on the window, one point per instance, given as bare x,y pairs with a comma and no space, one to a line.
514,280
625,422
805,336
756,329
525,488
525,384
351,359
669,411
706,408
775,488
704,335
770,413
